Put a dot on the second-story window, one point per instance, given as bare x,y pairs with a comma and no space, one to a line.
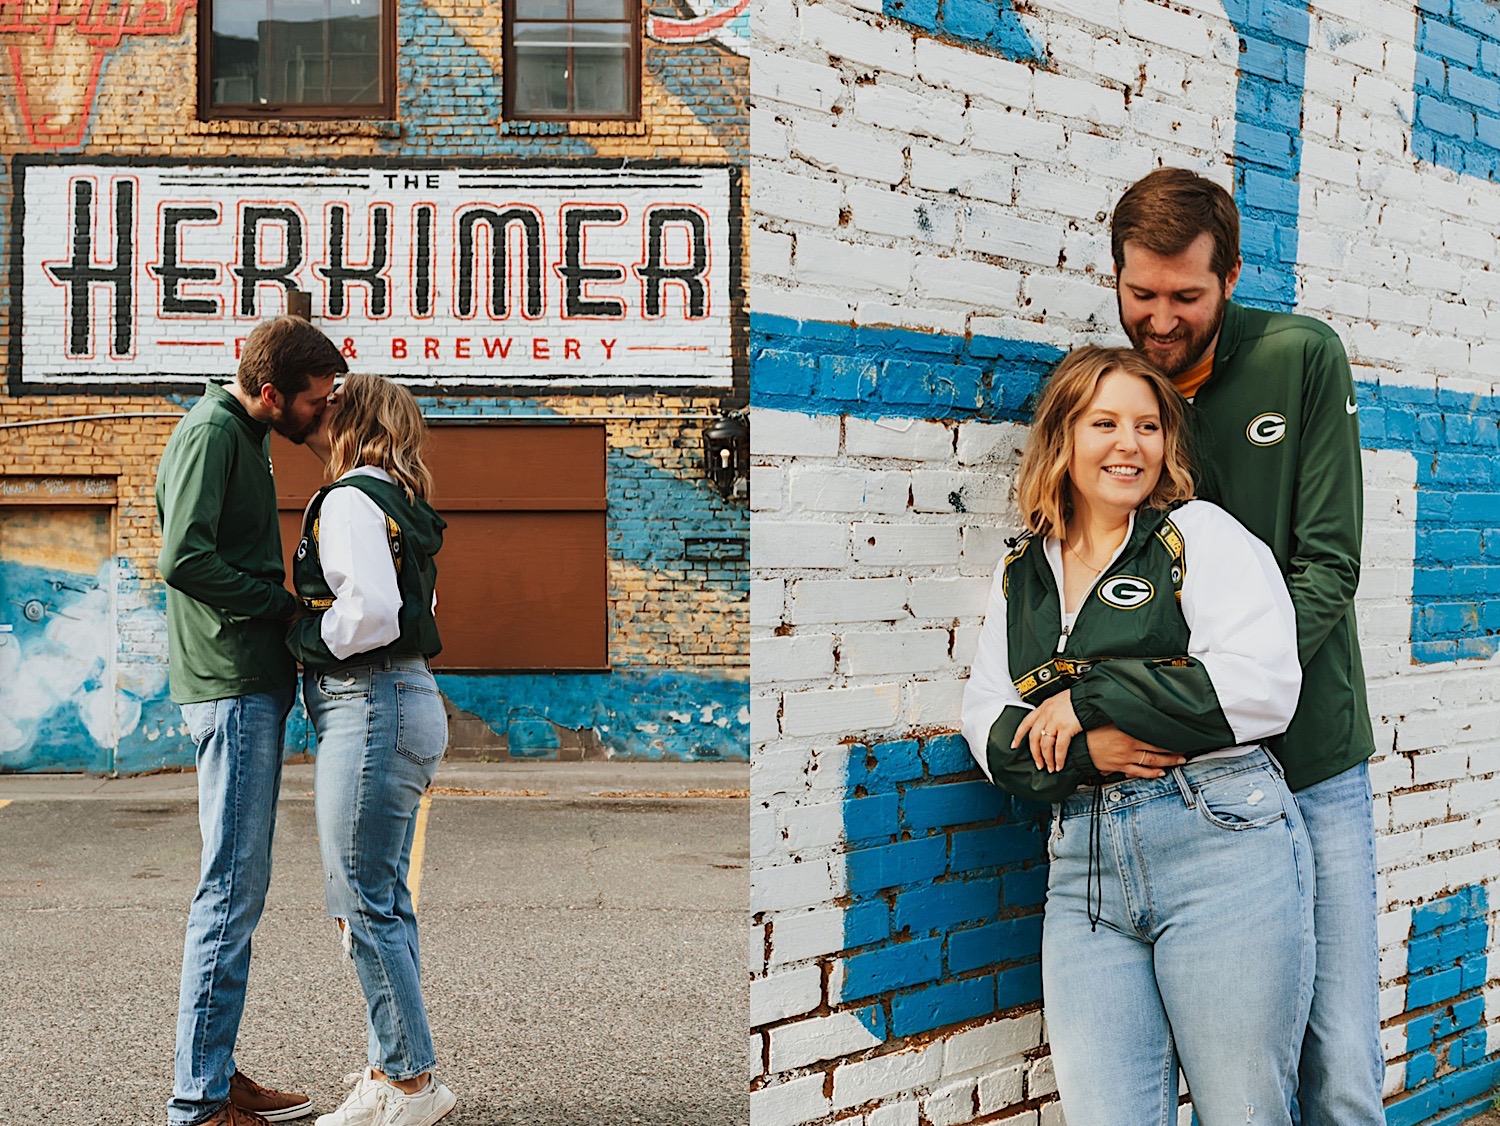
296,58
572,60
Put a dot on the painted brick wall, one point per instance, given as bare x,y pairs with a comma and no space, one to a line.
678,626
932,184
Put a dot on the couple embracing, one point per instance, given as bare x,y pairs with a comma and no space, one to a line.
1181,678
362,626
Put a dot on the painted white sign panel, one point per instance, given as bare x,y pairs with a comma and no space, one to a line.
569,277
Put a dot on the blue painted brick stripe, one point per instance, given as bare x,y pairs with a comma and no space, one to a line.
948,1003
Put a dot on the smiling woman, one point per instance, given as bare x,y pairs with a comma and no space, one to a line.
1138,646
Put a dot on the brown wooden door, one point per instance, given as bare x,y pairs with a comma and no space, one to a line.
523,575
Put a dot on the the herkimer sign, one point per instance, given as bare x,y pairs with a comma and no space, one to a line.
568,276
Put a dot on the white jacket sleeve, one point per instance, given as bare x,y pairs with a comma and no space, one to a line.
990,689
1243,628
356,556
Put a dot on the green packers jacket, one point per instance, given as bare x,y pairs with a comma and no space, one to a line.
1186,641
221,555
414,533
1277,434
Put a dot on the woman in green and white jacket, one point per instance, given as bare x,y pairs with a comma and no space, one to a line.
1138,648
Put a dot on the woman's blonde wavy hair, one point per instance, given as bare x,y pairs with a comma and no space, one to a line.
1044,492
378,423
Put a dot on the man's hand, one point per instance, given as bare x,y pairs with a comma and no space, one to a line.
1050,727
1115,752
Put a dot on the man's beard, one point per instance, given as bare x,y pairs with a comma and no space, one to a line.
289,430
1184,357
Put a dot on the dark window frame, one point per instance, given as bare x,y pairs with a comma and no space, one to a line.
635,17
384,110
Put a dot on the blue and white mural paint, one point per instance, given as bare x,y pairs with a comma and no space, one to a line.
932,191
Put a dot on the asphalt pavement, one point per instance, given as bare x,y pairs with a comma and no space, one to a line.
582,944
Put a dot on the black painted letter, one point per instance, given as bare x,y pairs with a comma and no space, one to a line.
173,273
80,275
499,225
689,276
250,271
339,273
576,272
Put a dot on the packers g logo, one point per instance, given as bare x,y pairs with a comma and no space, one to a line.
1266,429
302,549
1126,592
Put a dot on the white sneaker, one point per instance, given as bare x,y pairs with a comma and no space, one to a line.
431,1103
365,1103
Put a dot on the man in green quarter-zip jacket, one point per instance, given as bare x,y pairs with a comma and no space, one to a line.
227,613
1277,437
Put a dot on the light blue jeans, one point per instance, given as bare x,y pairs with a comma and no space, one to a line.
1343,1062
381,729
239,741
1203,951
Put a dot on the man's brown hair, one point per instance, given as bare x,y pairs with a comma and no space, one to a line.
1169,208
287,352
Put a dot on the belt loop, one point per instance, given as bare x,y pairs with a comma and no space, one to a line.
1183,787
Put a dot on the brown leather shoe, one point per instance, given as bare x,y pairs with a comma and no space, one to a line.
231,1115
271,1106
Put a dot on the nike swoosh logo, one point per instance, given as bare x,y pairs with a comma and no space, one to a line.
1349,407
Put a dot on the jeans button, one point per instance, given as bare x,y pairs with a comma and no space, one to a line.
1114,796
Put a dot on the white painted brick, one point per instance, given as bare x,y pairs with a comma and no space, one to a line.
807,934
885,212
906,439
783,78
1041,1079
786,432
949,598
979,284
886,48
906,1112
765,717
856,264
992,128
785,994
778,887
890,1074
804,657
765,838
767,487
804,545
1001,1088
821,1038
986,442
998,230
818,601
785,1104
767,601
923,113
906,544
967,174
840,711
807,198
991,1044
904,651
1073,97
821,488
772,253
951,1103
973,72
812,826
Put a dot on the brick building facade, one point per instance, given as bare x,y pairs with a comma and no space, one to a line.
560,259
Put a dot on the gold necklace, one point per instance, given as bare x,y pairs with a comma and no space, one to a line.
1081,559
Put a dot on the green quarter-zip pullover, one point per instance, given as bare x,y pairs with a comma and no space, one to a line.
221,555
1277,432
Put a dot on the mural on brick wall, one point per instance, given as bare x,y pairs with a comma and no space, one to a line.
931,197
541,277
55,58
492,244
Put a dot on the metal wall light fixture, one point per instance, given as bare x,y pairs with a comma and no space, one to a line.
726,455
